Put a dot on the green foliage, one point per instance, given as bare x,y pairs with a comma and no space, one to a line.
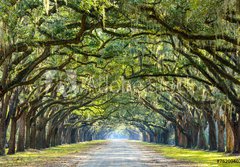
173,55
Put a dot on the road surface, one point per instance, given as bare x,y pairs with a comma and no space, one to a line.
121,153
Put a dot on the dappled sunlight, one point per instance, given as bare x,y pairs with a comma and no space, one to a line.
123,74
50,155
127,154
197,156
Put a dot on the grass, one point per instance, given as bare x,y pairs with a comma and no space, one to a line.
31,157
205,158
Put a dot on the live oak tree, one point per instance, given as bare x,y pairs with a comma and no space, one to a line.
80,68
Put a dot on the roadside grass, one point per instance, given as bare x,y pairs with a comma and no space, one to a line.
201,157
33,157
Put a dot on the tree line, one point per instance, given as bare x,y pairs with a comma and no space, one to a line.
73,70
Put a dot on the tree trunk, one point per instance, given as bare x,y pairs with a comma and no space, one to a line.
221,128
21,133
235,124
151,135
79,135
212,131
182,140
144,136
53,138
28,130
41,138
2,136
189,141
195,132
176,136
12,140
73,135
165,135
3,127
202,143
59,134
155,136
33,136
41,133
233,131
49,136
229,135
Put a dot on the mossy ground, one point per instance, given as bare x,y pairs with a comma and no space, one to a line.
205,158
31,157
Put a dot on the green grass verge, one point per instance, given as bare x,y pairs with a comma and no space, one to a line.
46,155
204,158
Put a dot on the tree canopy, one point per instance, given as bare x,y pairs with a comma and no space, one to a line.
165,71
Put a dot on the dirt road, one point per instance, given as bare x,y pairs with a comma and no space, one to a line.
121,153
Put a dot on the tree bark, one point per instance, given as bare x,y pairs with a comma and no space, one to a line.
3,128
41,133
202,143
49,136
212,130
195,132
33,135
59,134
28,130
54,138
144,136
41,138
176,136
165,135
12,140
229,135
184,140
235,125
21,133
221,128
73,135
233,131
151,135
2,136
